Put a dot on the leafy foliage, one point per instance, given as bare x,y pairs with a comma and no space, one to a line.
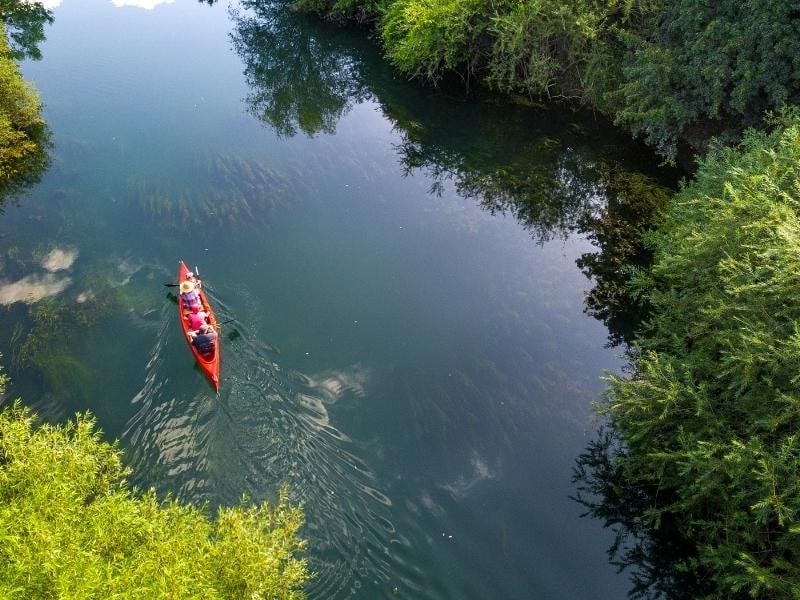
429,37
652,557
24,21
71,527
361,11
23,133
710,414
667,70
702,68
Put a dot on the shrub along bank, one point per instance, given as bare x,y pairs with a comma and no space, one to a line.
22,129
23,132
667,70
710,414
70,527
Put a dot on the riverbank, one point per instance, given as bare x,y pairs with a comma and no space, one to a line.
705,424
707,418
635,62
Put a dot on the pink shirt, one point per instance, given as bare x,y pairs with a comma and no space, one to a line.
197,319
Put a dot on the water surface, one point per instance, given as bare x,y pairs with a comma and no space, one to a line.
410,352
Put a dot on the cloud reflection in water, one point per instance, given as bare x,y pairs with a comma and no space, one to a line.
59,259
32,288
145,4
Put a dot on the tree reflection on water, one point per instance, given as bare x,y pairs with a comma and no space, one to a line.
24,156
556,173
299,81
652,554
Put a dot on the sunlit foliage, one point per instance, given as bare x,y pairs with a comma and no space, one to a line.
668,70
23,133
70,527
709,416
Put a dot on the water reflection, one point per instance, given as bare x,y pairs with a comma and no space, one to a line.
145,4
652,556
555,173
32,288
21,170
24,23
270,426
300,81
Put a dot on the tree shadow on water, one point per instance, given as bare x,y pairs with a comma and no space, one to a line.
558,173
653,554
300,81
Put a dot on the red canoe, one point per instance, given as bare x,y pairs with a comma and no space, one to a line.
208,364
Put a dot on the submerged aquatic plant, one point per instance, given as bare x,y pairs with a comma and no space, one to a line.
230,192
48,347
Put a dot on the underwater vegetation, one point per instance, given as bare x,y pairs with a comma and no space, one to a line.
47,345
230,192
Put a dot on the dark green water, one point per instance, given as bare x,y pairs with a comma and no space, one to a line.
410,352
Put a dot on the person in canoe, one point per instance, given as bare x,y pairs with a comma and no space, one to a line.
196,317
204,340
189,293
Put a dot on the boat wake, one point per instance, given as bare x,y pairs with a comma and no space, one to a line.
270,426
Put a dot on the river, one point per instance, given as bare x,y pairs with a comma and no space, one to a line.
410,352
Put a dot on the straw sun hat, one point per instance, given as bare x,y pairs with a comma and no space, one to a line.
186,287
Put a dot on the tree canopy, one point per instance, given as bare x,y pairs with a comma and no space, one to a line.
668,70
708,417
70,526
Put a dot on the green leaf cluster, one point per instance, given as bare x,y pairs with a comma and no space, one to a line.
70,527
710,413
700,68
668,70
23,133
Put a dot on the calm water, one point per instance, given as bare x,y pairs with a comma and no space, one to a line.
410,353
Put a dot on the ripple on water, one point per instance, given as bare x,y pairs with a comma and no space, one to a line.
269,426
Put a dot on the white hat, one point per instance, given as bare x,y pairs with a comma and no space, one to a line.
186,287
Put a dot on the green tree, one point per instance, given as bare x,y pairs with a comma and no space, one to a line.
668,70
24,137
708,417
699,68
24,21
71,527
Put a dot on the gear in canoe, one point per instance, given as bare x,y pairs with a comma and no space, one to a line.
194,310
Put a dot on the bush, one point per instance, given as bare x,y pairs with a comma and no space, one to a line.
23,132
430,37
71,527
708,68
710,414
